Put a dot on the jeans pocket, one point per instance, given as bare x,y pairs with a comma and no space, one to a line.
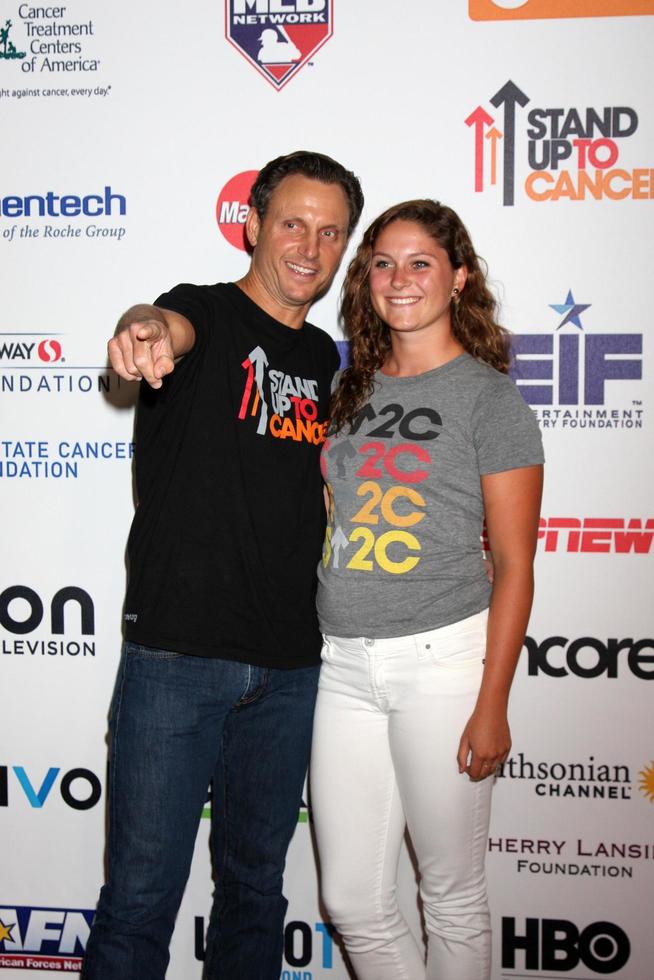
459,651
150,653
326,651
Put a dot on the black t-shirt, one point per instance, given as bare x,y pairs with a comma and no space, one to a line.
228,530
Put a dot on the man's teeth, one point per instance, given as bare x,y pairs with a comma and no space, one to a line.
301,269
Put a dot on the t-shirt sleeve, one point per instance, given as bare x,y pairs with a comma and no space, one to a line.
194,303
505,430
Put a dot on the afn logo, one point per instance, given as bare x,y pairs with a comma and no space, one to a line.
43,939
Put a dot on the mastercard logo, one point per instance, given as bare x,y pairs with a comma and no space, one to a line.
540,9
232,208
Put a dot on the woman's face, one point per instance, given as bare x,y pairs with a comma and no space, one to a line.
412,279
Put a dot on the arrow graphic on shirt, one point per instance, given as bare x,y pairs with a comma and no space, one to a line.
508,96
259,361
339,541
341,452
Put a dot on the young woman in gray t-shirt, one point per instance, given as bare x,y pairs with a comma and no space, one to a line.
428,435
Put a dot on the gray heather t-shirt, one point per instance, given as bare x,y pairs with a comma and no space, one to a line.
402,552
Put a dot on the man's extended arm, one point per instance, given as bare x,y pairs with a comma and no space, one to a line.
147,341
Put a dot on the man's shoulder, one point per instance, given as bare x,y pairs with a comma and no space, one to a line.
190,290
319,337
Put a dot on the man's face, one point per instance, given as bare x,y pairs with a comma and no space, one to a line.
297,246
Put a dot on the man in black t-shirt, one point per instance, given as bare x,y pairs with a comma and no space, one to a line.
219,671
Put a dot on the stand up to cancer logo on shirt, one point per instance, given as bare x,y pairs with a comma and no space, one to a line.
285,406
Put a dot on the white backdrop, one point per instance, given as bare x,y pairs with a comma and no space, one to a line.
535,121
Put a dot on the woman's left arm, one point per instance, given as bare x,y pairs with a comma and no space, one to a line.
512,507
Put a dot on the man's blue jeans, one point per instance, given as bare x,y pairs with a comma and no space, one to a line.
176,724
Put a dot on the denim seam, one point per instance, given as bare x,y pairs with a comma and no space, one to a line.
382,857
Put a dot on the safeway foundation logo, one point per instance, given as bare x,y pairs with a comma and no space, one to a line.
563,153
278,37
26,347
43,939
577,380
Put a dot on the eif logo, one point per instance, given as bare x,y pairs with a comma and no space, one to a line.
43,939
278,37
569,369
232,208
542,9
569,153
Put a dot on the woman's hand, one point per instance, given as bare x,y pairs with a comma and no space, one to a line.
485,743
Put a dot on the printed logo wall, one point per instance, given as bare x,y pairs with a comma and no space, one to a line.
540,149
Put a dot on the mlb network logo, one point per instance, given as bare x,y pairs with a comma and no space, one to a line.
43,939
278,37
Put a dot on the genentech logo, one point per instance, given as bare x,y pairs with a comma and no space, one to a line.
597,535
542,9
278,37
43,939
573,372
21,348
232,208
565,153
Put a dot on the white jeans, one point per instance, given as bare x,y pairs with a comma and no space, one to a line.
388,721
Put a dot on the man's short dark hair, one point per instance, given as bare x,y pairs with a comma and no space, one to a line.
316,166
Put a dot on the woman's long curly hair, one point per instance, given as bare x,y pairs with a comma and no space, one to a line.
473,312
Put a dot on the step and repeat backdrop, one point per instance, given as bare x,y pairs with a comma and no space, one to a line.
131,136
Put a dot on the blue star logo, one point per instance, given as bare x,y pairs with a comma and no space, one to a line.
570,311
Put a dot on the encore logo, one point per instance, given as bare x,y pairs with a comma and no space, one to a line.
589,657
